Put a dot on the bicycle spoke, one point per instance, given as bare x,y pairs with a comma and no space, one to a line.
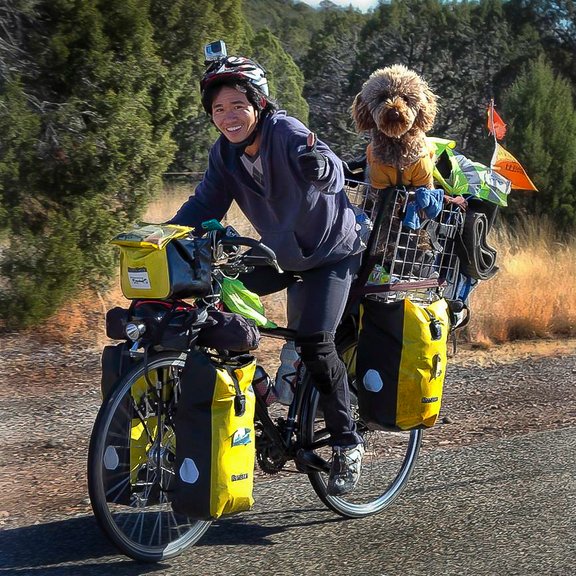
130,465
386,467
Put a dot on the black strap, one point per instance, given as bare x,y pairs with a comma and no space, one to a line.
477,257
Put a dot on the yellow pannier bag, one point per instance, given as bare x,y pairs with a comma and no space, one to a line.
215,437
163,261
401,363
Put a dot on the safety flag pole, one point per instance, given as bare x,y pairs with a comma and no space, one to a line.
496,125
502,161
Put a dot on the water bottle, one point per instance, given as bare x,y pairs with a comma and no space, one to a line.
263,386
286,374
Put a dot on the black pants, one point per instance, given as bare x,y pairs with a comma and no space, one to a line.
316,301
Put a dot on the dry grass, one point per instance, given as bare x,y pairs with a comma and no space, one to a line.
533,296
534,293
164,208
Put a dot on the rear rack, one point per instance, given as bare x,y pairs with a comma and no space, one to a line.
402,262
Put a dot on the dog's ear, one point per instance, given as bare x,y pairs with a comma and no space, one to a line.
361,114
428,107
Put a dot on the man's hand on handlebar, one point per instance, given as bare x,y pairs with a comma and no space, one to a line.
227,245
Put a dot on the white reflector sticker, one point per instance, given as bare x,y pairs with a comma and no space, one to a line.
111,459
372,381
189,471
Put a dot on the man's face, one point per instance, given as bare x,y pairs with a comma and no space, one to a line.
233,114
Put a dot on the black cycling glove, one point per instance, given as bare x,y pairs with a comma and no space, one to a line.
313,165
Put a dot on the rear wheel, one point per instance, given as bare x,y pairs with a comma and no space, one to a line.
131,464
388,461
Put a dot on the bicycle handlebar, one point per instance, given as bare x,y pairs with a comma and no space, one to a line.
269,258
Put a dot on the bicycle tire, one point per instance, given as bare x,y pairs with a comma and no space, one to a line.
388,462
130,475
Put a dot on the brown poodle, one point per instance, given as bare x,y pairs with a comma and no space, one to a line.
397,107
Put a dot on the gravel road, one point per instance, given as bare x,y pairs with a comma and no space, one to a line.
49,396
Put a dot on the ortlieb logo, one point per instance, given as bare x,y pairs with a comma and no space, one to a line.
236,477
241,437
429,400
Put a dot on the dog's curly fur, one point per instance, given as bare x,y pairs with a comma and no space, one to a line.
398,107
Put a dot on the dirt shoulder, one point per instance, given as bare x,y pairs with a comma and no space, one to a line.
49,397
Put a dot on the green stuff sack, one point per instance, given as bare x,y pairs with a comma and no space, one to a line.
215,438
401,363
239,299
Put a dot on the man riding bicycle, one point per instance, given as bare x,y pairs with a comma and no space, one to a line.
290,187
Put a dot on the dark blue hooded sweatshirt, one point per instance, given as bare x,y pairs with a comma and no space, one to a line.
306,224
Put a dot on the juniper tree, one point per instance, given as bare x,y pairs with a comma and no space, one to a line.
90,93
539,108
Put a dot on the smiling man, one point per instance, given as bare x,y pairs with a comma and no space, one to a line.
233,115
290,187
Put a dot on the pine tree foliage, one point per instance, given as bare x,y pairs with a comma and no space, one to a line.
286,81
542,116
90,157
91,113
98,99
328,68
294,23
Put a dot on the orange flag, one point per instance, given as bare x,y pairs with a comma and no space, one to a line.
506,165
496,125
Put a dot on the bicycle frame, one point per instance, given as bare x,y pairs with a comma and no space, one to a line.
145,527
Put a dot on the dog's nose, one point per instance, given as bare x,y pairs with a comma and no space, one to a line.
393,114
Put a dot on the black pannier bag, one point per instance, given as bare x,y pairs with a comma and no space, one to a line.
401,363
215,438
116,362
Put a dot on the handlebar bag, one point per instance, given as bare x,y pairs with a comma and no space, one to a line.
162,261
401,363
215,439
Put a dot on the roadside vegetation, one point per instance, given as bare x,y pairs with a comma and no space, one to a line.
100,100
533,295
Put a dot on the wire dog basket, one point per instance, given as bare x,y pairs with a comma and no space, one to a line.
404,260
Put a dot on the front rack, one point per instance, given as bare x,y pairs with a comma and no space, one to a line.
402,262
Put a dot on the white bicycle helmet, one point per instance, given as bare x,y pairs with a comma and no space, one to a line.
234,68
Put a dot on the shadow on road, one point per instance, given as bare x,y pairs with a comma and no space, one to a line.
256,528
78,546
67,548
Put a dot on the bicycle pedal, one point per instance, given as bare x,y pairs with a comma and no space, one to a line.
307,461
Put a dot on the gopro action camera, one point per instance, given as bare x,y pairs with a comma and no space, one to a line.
215,51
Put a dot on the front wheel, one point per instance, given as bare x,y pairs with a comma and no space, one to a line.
131,464
388,462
